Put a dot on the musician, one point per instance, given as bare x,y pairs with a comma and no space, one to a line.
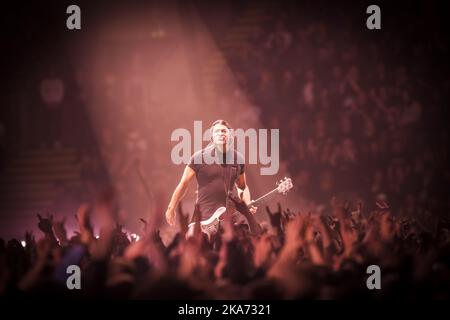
216,180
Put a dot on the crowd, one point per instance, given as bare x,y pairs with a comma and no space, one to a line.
358,111
296,255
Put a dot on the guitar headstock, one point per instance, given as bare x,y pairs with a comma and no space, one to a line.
284,185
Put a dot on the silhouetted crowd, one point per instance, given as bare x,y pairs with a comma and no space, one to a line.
297,255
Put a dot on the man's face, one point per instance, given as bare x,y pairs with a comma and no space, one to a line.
221,134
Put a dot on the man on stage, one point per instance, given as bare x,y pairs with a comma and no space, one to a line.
215,180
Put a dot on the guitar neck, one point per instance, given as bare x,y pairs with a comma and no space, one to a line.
264,198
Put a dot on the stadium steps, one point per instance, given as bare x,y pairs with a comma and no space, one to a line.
246,26
28,181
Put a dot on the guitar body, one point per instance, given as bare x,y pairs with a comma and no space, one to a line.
211,225
208,226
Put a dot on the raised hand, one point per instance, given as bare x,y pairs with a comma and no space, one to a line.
45,224
60,230
240,205
83,218
263,249
29,239
315,254
293,235
275,217
197,218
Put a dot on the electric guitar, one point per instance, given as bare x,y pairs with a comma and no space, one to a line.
211,225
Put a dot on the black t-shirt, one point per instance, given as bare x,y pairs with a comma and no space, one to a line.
214,180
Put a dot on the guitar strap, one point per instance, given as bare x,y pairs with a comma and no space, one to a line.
228,172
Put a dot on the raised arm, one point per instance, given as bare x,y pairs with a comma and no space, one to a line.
178,194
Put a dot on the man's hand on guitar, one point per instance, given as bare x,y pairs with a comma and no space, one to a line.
253,209
239,204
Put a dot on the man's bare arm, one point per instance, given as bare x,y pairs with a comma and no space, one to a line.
178,194
244,191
